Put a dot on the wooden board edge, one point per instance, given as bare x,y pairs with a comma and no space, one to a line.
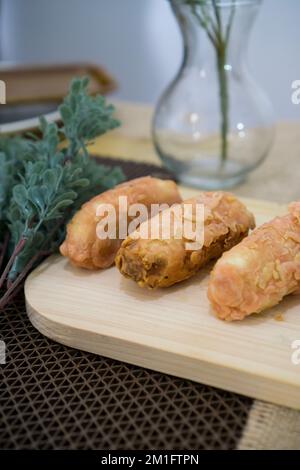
201,371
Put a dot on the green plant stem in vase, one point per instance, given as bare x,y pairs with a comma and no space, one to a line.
210,19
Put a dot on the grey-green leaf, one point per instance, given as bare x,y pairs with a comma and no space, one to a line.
20,195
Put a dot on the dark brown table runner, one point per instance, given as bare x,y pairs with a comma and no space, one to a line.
55,397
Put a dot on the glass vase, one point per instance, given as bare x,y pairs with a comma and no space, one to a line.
213,124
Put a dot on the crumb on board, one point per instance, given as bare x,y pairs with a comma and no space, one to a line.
279,316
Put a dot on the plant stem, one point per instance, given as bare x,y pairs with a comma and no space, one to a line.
229,24
11,297
224,102
3,249
18,248
220,42
17,283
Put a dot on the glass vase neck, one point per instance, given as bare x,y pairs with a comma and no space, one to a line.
213,29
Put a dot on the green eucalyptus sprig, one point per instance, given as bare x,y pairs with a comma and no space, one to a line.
42,183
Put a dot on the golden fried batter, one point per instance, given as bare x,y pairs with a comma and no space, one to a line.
83,247
159,262
260,271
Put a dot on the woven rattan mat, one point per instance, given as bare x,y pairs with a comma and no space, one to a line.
54,397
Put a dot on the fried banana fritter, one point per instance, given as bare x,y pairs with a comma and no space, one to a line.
260,271
160,262
84,248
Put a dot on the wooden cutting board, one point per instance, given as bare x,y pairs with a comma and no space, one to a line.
171,330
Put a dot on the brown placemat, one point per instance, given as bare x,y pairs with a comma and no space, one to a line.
55,397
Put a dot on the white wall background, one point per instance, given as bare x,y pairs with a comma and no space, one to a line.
139,43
